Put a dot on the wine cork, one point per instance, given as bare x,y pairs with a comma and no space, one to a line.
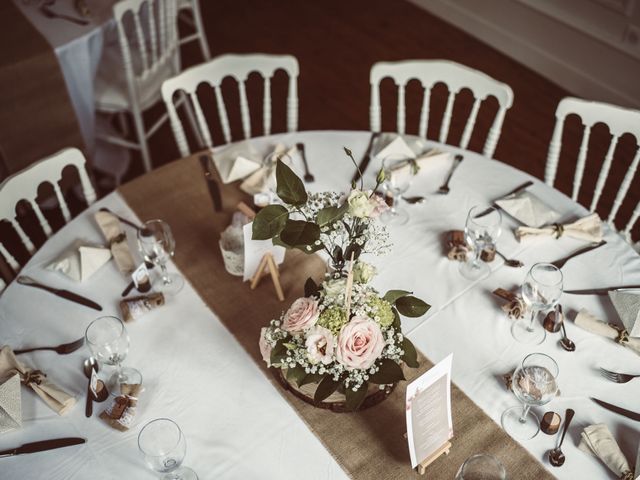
550,423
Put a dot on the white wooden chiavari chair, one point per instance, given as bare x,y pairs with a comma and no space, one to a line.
213,73
456,77
619,121
23,186
189,13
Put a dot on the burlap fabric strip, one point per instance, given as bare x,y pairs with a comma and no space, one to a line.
367,444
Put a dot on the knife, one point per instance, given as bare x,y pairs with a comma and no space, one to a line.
212,184
515,191
365,159
619,410
42,446
562,261
66,294
600,291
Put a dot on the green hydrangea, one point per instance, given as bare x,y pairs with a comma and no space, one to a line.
333,318
380,311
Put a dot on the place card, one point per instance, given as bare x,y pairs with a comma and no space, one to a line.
255,250
428,412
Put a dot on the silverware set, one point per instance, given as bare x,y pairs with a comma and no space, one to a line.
617,377
444,188
66,294
63,349
562,261
308,177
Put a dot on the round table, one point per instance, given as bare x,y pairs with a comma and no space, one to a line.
236,424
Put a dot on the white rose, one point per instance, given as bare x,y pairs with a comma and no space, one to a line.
334,288
363,272
359,205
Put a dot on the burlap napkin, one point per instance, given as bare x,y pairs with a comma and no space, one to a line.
627,304
55,397
528,209
122,411
588,228
81,261
10,404
597,440
112,231
589,322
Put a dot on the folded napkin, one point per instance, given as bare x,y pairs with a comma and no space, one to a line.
122,411
81,261
397,146
264,178
55,397
112,231
237,161
588,228
528,209
627,304
597,440
10,404
589,322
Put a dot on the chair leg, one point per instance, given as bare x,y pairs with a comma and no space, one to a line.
201,35
138,123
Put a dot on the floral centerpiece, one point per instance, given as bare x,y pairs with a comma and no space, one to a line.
342,341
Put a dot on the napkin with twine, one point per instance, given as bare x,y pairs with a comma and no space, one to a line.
588,228
237,161
264,178
414,162
113,232
528,209
10,404
627,304
589,322
59,400
598,441
81,261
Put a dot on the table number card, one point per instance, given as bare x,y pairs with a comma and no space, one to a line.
428,412
254,250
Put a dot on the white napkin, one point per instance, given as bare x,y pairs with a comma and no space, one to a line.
397,146
264,179
528,209
589,322
597,440
588,228
237,161
627,303
10,404
81,261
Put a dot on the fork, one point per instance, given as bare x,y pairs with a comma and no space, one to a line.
308,177
63,349
47,12
444,188
617,377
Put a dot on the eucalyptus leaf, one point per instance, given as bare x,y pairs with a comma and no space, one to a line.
279,352
310,288
328,215
389,372
296,374
298,233
289,187
311,378
397,322
269,222
410,356
325,388
392,295
355,399
410,306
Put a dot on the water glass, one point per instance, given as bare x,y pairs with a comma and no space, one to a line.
482,229
481,467
157,246
399,171
164,447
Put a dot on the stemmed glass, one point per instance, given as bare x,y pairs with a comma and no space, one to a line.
163,445
109,344
481,467
541,291
481,231
157,245
398,174
534,383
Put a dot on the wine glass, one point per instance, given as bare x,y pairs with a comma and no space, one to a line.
163,445
109,344
398,174
481,467
534,383
481,231
541,291
157,245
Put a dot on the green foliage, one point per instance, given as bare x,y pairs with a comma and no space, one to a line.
289,187
355,399
269,222
410,356
299,234
411,306
325,388
389,372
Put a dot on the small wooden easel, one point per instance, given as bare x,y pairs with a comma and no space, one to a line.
443,450
268,265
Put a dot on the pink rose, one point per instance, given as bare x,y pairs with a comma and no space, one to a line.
360,343
320,345
301,315
265,348
378,204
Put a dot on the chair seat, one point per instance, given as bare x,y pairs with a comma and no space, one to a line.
111,91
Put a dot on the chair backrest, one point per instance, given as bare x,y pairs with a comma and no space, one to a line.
24,186
620,121
456,77
239,67
150,44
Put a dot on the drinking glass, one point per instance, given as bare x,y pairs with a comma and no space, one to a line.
163,445
534,383
541,291
157,245
481,231
481,467
109,344
399,171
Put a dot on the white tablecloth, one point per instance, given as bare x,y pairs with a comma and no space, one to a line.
237,425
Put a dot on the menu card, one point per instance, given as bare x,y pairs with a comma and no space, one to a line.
428,407
254,250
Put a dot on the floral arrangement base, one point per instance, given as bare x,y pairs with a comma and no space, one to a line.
336,402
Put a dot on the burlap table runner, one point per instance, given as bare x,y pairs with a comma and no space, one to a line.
36,116
368,444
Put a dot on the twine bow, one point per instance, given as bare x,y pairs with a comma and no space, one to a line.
623,335
628,475
32,376
558,229
117,239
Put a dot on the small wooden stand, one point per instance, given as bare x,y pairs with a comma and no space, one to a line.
267,264
422,466
246,209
